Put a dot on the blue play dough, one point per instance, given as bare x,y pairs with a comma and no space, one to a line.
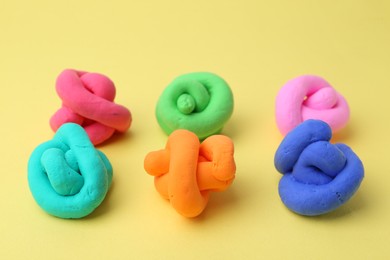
318,176
67,176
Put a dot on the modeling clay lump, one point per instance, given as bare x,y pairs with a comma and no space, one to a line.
186,171
310,97
200,102
318,176
67,176
88,100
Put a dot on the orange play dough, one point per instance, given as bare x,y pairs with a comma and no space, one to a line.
186,171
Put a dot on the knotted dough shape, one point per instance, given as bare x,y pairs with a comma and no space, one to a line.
318,176
310,97
67,176
200,102
88,100
186,171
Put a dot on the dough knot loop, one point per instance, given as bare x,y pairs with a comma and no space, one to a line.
186,171
318,176
88,100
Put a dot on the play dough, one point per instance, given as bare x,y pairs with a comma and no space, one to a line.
310,97
88,100
67,176
199,102
318,176
186,171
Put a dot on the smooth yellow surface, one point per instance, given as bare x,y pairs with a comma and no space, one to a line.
256,46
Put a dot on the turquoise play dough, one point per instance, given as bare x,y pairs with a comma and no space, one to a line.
67,176
200,102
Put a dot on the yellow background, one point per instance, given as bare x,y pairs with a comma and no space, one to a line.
256,46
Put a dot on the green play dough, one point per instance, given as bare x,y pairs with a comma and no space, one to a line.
200,102
67,176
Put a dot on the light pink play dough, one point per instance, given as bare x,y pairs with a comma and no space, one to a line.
310,97
88,100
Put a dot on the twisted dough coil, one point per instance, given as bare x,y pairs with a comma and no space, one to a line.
67,176
310,97
88,100
186,171
200,102
318,176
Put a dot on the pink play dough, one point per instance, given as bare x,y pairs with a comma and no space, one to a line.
88,100
310,97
